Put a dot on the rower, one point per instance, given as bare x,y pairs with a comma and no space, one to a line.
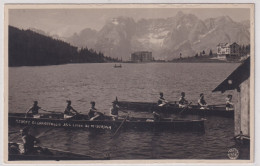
156,116
28,142
114,110
93,113
229,104
183,103
69,111
202,103
162,102
34,109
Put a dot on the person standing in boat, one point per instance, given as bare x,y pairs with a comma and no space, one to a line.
183,103
201,102
34,109
229,104
28,142
69,111
162,102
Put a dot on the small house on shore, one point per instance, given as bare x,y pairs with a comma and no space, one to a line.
239,80
223,49
232,52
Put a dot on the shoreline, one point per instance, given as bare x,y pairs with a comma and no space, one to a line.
184,61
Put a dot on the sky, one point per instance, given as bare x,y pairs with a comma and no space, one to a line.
65,22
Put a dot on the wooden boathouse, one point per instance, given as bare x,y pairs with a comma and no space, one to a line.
239,80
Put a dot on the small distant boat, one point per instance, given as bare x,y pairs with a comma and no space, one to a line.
117,66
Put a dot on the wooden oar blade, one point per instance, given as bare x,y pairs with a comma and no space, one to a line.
120,126
14,132
43,133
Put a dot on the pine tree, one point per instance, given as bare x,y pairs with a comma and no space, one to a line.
210,53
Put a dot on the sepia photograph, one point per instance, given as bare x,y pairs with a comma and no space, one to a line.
129,82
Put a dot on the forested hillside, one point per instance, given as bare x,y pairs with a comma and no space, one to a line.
28,48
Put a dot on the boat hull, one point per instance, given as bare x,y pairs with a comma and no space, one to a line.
48,154
174,109
51,120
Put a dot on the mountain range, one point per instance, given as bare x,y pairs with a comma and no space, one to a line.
166,38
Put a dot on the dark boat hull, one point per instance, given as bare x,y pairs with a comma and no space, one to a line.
19,157
51,154
174,109
107,123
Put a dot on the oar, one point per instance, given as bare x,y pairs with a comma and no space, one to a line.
217,105
43,133
39,135
51,111
172,102
120,126
185,108
98,115
13,132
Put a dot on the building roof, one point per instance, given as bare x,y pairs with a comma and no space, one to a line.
238,76
223,44
234,44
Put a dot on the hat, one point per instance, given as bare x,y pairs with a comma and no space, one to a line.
25,130
68,101
92,102
229,96
115,102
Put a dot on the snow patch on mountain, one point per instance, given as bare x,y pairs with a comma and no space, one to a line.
165,38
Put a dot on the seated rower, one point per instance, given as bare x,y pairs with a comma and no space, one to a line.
162,102
183,103
114,110
93,113
69,111
229,104
34,109
202,103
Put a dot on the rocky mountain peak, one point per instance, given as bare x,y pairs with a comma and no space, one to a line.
165,37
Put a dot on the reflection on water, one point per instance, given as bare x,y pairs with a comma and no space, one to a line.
82,83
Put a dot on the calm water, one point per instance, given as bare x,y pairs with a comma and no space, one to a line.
82,83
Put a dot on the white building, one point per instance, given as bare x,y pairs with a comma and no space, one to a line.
223,49
142,56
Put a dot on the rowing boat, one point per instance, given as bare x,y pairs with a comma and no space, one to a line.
42,153
117,66
173,108
106,122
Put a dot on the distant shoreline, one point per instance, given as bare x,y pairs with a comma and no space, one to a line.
131,63
204,61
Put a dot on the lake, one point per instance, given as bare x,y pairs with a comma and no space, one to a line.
51,86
